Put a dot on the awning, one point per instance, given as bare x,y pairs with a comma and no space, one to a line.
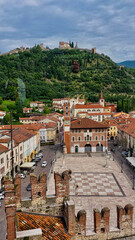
131,160
27,165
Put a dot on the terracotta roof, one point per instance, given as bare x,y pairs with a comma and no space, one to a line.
128,128
3,148
121,114
51,125
27,108
4,140
52,227
81,106
93,114
111,122
86,123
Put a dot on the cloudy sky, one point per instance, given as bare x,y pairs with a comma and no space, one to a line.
108,25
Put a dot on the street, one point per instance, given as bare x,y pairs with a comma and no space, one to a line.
49,153
124,165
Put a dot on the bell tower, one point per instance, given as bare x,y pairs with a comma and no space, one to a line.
67,127
102,100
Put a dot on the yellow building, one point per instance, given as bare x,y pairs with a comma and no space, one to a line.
112,128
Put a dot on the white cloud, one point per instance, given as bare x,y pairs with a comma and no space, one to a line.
7,29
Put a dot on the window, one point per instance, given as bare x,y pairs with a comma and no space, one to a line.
21,148
99,130
85,130
102,138
2,160
96,138
72,131
103,130
73,139
7,157
90,138
79,138
79,130
90,130
76,131
95,130
87,137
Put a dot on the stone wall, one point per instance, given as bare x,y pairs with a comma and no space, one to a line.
38,188
62,185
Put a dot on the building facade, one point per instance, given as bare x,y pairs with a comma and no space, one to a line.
83,135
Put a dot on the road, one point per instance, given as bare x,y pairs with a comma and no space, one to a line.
49,153
124,165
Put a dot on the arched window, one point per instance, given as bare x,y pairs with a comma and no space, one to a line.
102,138
96,138
73,139
79,138
87,137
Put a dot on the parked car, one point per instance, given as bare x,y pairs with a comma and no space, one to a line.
1,196
28,188
22,176
44,163
39,154
38,158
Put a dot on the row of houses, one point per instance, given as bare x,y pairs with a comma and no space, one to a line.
95,111
27,139
25,145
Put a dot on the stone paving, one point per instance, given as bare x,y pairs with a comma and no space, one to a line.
117,190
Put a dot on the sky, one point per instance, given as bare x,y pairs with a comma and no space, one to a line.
108,25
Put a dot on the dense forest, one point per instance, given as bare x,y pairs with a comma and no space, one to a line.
49,74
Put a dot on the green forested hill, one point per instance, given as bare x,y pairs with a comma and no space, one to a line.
48,75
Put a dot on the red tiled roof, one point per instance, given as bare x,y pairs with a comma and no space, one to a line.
128,128
51,125
52,227
3,148
81,106
93,114
4,140
111,122
86,123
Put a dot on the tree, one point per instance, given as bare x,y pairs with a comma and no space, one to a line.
1,100
6,119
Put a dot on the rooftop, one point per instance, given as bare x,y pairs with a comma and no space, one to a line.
52,227
86,123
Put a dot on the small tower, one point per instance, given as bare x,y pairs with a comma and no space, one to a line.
76,46
67,127
102,100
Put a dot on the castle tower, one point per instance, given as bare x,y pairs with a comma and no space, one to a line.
102,100
67,127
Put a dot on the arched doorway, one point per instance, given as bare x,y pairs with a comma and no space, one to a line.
112,138
87,148
99,148
76,149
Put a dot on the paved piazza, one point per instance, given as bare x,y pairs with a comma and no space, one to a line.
96,182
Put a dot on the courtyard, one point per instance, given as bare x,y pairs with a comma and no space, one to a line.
96,182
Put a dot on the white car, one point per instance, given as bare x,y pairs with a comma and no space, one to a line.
1,196
44,164
22,176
